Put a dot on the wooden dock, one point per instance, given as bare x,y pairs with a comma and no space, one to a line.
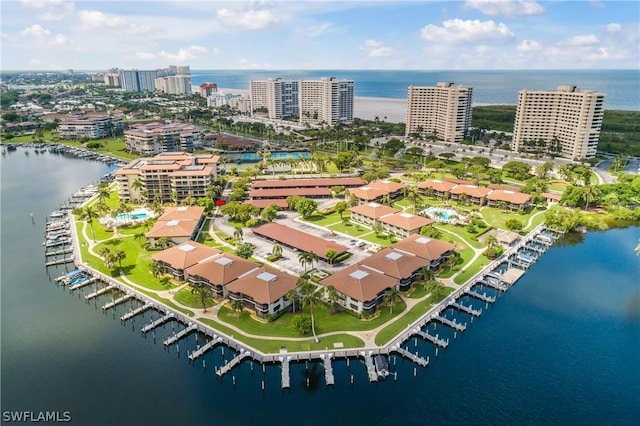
512,275
467,309
117,301
495,283
413,357
328,369
209,345
83,284
59,261
452,324
433,339
100,292
157,322
237,360
173,339
371,369
286,379
136,311
59,252
482,297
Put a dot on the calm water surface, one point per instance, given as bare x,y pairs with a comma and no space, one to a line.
561,347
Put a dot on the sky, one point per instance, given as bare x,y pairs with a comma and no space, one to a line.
310,35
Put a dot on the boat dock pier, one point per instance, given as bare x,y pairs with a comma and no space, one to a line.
201,351
413,357
286,379
433,339
467,309
157,322
479,296
173,339
117,301
452,324
494,283
83,284
100,292
59,261
136,311
328,369
237,360
371,368
59,252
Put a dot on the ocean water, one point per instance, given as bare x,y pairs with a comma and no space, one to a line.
489,87
561,347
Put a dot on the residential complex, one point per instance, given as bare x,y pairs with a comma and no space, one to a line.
327,100
89,125
156,137
174,84
566,121
138,81
459,190
167,177
442,112
178,225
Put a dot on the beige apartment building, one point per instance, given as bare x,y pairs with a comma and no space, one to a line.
90,125
443,110
567,120
327,100
167,175
156,137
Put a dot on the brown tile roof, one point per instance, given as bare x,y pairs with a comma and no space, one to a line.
182,213
156,166
367,193
221,268
395,263
126,171
426,248
387,185
503,187
298,239
509,196
285,192
406,221
264,285
185,255
552,196
200,170
360,282
306,183
172,228
471,190
373,210
437,185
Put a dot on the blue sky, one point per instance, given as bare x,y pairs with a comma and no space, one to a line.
412,35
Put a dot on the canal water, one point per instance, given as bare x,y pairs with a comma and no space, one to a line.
560,347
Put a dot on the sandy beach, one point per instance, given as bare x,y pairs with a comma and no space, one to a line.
386,109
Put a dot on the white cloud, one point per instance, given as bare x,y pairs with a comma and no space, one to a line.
245,63
92,20
145,56
376,49
505,7
459,31
249,20
184,54
43,37
580,40
41,4
613,28
529,46
315,31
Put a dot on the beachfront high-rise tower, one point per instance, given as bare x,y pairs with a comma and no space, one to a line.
275,97
442,111
564,122
327,100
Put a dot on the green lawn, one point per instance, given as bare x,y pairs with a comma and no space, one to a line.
350,229
396,327
187,298
324,220
324,321
461,232
274,345
497,218
471,270
383,240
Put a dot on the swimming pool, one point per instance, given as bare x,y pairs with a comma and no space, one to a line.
135,216
441,214
253,157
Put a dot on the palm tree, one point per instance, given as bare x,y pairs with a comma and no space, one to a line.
137,185
392,296
307,258
377,228
89,214
276,251
310,298
106,254
293,296
332,296
204,294
119,256
589,195
237,307
238,232
426,274
103,194
139,236
156,269
163,242
341,207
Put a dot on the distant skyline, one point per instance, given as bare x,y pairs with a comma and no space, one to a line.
308,35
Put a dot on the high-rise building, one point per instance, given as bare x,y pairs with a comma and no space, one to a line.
327,100
208,89
174,85
111,79
259,101
275,97
138,81
442,111
565,122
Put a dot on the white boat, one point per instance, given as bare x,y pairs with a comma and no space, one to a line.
382,367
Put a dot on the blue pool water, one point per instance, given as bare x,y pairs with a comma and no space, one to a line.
252,157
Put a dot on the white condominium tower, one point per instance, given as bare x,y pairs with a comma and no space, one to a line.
442,111
138,81
275,97
327,100
567,120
